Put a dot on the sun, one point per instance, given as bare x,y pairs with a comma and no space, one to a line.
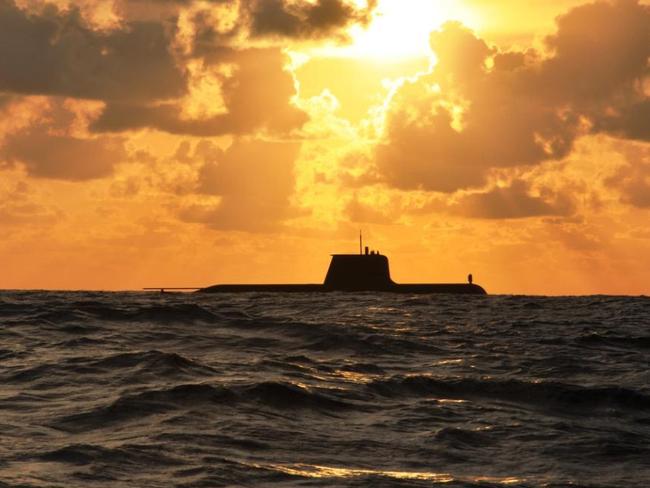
400,29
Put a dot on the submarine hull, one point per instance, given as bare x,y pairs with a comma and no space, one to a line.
261,289
430,288
368,272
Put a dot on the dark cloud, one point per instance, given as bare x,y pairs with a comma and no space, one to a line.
512,202
135,69
285,18
599,51
631,122
62,157
270,20
54,52
160,11
506,109
257,97
304,20
255,181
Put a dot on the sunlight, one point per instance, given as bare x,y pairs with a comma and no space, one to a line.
315,471
401,29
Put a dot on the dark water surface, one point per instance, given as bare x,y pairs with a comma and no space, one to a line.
149,390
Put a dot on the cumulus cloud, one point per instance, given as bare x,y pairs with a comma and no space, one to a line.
600,51
257,96
55,52
139,64
254,180
141,72
512,202
482,109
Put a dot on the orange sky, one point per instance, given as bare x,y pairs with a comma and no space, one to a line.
187,143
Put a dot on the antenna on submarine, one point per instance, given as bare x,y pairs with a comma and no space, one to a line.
360,243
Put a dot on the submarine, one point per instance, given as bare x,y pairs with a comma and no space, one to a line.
367,271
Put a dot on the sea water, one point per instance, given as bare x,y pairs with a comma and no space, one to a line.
191,390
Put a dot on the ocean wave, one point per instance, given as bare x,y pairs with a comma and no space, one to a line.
210,439
141,405
160,313
541,394
7,354
363,339
85,314
460,438
129,454
638,342
81,342
290,396
273,395
154,362
138,366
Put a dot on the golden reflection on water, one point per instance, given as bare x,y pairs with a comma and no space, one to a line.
445,362
356,377
316,471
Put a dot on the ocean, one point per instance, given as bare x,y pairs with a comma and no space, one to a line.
300,390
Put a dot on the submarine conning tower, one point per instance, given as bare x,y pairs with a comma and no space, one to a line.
358,272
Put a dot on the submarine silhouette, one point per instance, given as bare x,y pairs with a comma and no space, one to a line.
361,272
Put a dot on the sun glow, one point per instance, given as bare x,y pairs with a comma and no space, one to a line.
401,28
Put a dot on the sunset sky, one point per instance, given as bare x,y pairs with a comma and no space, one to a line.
188,143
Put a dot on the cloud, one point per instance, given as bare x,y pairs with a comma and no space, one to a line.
254,181
141,66
63,157
54,52
633,179
228,23
18,205
5,100
599,51
631,122
304,20
358,211
257,96
482,109
511,202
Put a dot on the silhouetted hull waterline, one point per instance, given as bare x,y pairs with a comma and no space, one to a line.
451,288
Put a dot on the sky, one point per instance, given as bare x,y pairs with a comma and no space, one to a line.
194,142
